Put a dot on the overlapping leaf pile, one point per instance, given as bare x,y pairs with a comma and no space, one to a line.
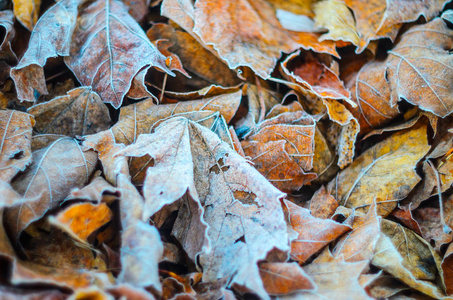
222,149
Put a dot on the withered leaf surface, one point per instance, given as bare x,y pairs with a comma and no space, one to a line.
413,68
80,112
50,38
15,142
247,33
391,162
241,208
109,48
379,19
55,170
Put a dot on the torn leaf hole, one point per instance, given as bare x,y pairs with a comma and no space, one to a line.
247,198
18,155
241,239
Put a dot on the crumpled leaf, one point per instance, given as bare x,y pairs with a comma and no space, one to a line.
55,170
284,278
109,48
335,16
391,162
379,19
313,233
15,142
213,175
229,32
50,38
27,12
412,68
141,247
80,112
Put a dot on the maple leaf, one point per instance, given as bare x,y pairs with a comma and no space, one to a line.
103,57
225,193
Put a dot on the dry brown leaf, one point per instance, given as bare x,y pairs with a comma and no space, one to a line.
392,163
284,278
412,68
313,233
213,175
447,270
193,56
50,38
408,257
379,19
15,142
322,204
55,170
274,163
248,34
335,16
109,48
138,9
371,93
80,112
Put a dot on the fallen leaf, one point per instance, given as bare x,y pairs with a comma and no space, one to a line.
249,34
284,278
322,204
102,57
239,232
27,12
408,257
335,16
391,162
80,112
313,233
50,38
383,19
55,170
15,142
412,63
371,92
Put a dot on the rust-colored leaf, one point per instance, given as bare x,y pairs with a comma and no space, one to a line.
284,278
313,233
109,48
